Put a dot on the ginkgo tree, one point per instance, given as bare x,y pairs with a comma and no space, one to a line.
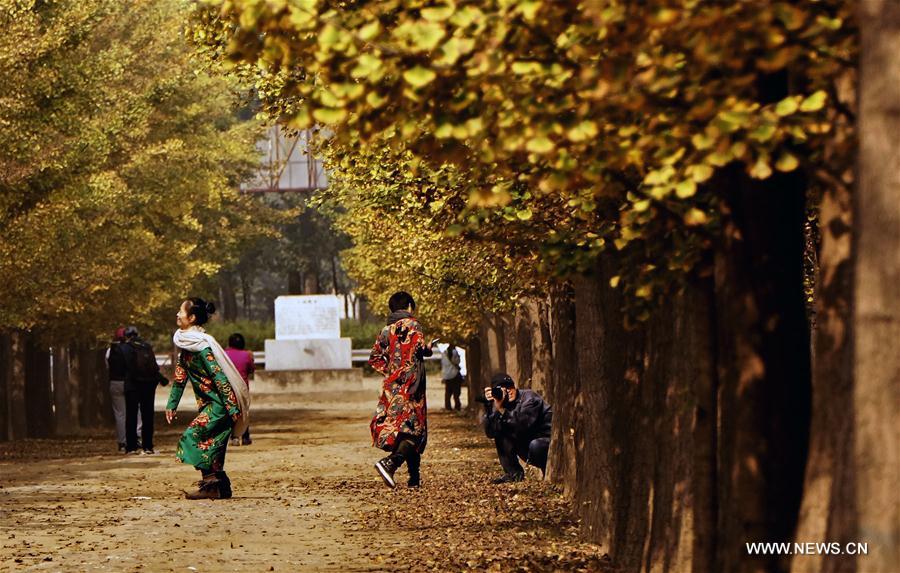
626,111
397,211
659,144
121,160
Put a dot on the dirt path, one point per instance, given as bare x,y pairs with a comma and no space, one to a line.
306,498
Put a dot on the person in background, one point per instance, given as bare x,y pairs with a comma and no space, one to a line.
141,379
451,376
117,356
243,361
399,425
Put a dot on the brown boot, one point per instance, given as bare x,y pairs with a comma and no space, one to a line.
207,488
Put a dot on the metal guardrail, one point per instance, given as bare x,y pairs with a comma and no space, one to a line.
259,358
362,355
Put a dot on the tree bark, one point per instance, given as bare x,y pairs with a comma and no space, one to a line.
506,325
5,377
634,426
94,400
698,364
828,509
563,388
614,462
104,398
295,282
764,368
493,355
228,296
541,343
38,390
335,289
362,305
645,435
474,380
247,295
17,424
876,302
311,281
525,329
65,392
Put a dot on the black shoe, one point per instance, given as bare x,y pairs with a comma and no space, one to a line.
224,485
207,488
246,441
414,481
386,468
509,478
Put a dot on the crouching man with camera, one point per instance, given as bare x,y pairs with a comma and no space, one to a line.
519,423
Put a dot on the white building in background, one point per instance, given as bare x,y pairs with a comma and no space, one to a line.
287,164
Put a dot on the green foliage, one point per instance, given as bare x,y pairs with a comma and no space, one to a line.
398,211
361,333
119,163
589,128
255,332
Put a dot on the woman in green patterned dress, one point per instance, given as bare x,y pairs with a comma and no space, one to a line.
222,398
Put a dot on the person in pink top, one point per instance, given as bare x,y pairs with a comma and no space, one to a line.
243,362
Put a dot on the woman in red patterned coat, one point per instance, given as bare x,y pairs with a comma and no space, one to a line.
399,425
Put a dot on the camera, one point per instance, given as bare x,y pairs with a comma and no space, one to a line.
497,392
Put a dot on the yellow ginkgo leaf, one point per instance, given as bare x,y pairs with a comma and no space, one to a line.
419,77
787,162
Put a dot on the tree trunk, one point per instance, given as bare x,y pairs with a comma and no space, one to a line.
493,354
295,282
563,388
334,281
541,343
38,390
763,360
699,362
613,454
362,309
506,325
228,296
5,377
876,302
474,380
65,392
828,510
645,431
525,328
104,398
17,424
247,295
94,400
311,280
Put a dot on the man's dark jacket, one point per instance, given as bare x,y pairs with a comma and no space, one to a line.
119,357
527,417
136,380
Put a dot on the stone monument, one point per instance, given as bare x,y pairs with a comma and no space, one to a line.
308,335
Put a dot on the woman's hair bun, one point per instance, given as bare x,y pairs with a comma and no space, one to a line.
201,310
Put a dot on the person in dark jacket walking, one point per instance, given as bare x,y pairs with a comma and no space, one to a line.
117,358
142,376
519,422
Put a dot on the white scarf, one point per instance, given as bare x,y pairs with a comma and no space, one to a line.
195,339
